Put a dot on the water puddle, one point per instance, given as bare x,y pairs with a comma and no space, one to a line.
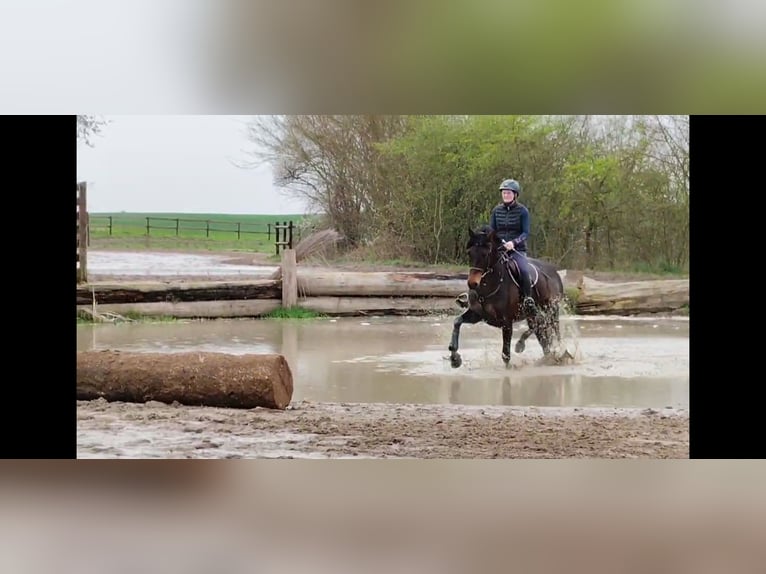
621,362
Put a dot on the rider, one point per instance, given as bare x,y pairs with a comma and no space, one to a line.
510,220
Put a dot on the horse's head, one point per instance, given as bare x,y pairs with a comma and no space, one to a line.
482,250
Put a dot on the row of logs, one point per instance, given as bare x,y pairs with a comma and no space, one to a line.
358,293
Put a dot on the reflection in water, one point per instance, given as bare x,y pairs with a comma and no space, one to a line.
393,359
506,387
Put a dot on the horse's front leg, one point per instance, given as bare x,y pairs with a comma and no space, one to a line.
469,317
507,334
521,344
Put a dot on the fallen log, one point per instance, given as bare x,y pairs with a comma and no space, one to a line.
194,378
310,284
349,293
192,309
334,306
157,291
632,297
354,306
379,284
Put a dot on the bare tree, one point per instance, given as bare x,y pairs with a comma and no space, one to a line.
328,160
88,127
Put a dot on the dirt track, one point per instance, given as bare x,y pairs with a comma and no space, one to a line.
124,430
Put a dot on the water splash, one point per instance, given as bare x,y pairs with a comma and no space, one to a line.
568,351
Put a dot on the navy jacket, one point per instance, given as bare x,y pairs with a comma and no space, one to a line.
511,223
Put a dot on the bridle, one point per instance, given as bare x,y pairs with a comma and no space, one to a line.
484,272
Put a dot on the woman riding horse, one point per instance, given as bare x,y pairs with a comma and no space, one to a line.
495,295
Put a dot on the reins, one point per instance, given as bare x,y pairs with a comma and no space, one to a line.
484,273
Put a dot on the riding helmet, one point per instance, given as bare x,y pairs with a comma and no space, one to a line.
511,184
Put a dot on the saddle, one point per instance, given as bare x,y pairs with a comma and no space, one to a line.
513,269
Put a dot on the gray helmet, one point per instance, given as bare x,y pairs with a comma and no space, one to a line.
511,184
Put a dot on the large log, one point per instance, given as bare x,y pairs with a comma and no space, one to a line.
191,309
310,283
335,306
352,306
194,378
349,293
156,291
632,297
379,284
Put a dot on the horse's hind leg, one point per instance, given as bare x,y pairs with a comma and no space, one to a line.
507,335
555,321
543,330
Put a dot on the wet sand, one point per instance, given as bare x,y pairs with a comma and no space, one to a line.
352,430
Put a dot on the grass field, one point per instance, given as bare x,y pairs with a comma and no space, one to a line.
203,231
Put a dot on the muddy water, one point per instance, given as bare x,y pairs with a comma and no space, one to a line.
620,362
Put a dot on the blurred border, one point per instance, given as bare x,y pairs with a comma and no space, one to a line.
343,56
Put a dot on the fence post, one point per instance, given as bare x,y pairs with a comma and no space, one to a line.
268,230
82,232
290,240
289,279
238,230
147,227
110,226
177,225
207,228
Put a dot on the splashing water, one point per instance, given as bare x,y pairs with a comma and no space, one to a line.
568,351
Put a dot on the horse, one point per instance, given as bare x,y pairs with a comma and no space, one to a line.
495,296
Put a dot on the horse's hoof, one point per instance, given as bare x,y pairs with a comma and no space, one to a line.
456,361
519,348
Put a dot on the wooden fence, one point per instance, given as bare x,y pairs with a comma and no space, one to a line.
287,235
182,227
82,232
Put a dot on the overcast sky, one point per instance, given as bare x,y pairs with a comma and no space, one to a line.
177,164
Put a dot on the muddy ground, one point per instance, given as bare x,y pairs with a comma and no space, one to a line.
332,430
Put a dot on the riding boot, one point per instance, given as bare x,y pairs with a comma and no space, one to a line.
528,302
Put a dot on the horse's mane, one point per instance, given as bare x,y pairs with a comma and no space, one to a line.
485,229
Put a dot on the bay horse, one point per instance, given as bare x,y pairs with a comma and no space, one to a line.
495,296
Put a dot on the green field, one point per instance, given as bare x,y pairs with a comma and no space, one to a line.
202,231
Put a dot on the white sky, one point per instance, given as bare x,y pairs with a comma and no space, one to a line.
177,164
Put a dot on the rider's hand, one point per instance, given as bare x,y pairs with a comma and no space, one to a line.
508,245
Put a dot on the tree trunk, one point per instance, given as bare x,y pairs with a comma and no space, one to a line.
195,378
631,298
154,292
380,284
